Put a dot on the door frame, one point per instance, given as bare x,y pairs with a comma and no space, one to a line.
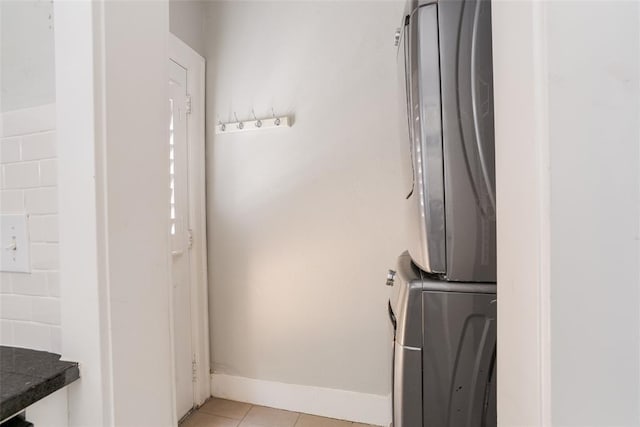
521,90
182,54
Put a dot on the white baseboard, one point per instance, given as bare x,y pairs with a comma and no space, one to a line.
341,404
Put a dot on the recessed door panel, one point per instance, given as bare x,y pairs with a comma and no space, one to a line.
459,359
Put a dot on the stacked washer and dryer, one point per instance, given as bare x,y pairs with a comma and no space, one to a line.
443,304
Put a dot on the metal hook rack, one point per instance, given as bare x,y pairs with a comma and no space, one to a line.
272,122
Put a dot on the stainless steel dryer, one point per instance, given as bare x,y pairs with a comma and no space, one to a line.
447,137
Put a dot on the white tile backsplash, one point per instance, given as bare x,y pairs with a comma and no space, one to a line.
48,172
30,303
39,146
56,340
46,310
43,228
6,280
9,150
44,256
28,121
6,332
11,201
15,307
34,284
32,335
41,200
21,175
53,279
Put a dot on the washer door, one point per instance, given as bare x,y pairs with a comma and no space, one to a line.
459,359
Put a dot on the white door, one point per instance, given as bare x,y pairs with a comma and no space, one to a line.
181,239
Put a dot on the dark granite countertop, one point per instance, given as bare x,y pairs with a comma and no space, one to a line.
27,376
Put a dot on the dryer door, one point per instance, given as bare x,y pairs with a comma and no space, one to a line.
467,118
404,126
426,237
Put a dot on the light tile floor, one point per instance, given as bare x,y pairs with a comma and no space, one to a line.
227,413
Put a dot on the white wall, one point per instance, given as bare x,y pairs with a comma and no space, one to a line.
594,140
84,308
304,222
186,21
568,166
27,54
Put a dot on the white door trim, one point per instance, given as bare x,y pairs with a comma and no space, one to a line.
523,213
183,55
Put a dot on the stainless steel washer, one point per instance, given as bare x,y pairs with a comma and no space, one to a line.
444,368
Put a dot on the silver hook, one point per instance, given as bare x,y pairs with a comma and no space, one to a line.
277,119
223,127
240,125
258,122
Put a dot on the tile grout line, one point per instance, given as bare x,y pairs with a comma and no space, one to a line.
295,423
252,406
246,413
